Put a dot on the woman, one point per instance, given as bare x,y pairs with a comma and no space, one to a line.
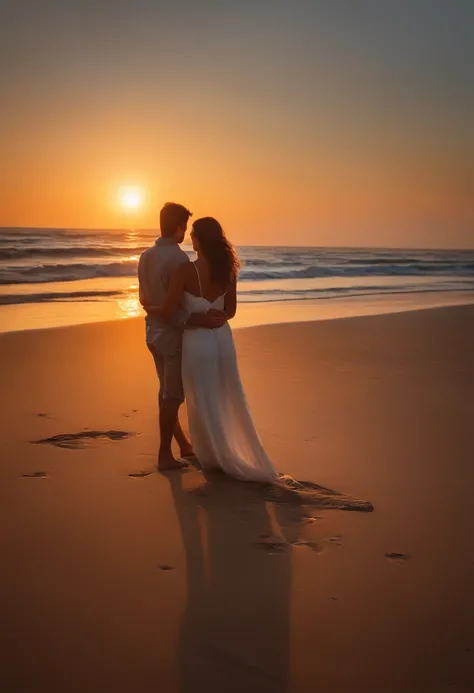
222,431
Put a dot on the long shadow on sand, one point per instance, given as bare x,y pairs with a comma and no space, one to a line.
238,540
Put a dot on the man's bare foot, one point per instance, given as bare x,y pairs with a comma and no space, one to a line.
165,463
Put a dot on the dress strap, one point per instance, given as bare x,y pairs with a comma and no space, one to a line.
199,278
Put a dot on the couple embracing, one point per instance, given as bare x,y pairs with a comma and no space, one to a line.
189,306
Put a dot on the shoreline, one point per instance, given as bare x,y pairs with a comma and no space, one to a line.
254,314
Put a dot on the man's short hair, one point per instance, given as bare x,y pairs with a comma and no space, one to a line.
172,216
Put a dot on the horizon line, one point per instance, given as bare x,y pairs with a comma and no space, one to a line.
277,245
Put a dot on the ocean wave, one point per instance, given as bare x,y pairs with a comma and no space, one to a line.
35,233
326,294
260,296
395,261
23,253
38,274
320,271
66,273
47,297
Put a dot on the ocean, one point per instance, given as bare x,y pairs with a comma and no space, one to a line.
94,273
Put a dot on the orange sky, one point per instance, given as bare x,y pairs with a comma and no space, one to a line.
328,142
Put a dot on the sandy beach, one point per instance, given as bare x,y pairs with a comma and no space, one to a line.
117,579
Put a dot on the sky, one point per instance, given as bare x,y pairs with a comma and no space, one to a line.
309,122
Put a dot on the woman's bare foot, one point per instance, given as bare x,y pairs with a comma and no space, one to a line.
168,462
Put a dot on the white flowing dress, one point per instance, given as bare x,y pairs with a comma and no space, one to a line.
222,431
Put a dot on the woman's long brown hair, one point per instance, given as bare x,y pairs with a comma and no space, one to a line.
217,250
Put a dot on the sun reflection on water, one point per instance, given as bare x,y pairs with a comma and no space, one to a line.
129,306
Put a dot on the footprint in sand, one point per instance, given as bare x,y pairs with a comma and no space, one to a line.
335,541
313,545
140,475
128,414
35,475
397,557
311,519
273,546
75,441
278,546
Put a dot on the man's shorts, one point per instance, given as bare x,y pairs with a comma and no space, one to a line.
168,367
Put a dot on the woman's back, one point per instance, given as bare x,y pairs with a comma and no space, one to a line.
198,282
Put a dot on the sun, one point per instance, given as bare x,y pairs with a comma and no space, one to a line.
131,198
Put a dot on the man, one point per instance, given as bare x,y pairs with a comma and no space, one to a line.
155,269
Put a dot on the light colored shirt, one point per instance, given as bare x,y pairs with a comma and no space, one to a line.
155,269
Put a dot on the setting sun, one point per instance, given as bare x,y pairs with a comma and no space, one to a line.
131,198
